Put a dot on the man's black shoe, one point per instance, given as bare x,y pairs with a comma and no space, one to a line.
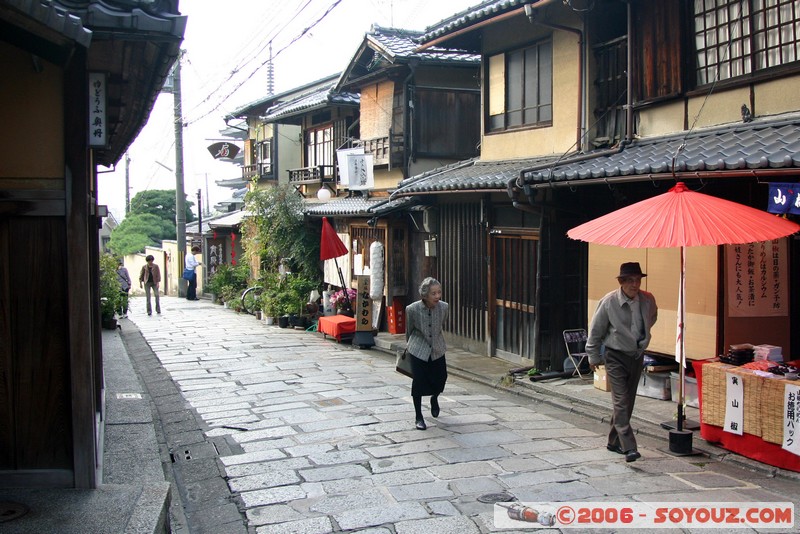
421,424
615,448
632,456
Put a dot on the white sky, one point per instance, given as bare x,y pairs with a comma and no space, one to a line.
223,36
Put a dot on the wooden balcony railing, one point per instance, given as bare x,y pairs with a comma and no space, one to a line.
386,150
311,175
262,171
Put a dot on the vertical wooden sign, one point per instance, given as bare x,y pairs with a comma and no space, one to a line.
363,337
363,304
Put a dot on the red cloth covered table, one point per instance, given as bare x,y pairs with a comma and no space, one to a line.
338,326
747,444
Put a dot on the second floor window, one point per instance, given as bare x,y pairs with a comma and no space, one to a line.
521,87
319,147
740,37
264,151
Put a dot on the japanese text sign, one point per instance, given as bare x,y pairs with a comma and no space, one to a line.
98,128
734,404
757,279
363,304
791,418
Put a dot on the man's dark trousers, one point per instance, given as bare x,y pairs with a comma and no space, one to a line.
191,291
623,371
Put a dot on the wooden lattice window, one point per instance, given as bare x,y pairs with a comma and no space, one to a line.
526,76
740,37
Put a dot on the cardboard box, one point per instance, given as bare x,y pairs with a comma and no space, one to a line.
655,385
689,389
600,379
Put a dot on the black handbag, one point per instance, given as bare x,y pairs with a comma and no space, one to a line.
403,364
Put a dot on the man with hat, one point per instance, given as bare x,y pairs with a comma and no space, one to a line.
622,324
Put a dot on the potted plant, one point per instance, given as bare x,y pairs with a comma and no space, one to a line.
110,291
269,306
284,305
339,302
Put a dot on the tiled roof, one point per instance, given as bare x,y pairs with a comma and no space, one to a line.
773,144
56,18
470,16
316,99
229,220
264,103
356,206
469,175
398,45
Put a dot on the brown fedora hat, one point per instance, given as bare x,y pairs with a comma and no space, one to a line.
630,269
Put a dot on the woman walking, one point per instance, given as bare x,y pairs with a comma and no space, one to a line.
425,341
124,279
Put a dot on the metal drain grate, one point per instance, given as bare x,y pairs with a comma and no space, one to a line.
491,498
11,510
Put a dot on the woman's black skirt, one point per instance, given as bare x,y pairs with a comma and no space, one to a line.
429,377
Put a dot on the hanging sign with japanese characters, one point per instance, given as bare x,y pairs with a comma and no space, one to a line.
791,418
784,198
360,171
734,404
223,150
98,129
363,305
757,279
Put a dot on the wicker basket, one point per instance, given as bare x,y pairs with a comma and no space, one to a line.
772,396
714,386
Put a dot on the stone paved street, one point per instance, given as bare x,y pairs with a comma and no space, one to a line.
302,434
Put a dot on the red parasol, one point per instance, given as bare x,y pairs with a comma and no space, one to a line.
331,247
683,218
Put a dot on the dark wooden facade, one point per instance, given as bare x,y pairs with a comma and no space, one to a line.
51,373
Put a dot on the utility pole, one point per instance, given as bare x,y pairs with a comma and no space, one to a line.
180,195
127,183
204,261
208,208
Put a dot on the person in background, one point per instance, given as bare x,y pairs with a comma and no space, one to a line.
191,263
425,342
124,287
622,322
150,278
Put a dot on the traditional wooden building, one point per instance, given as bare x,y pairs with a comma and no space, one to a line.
591,106
79,81
417,112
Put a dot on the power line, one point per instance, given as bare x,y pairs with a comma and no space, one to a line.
247,58
278,53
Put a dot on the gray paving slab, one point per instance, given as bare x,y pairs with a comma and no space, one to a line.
313,436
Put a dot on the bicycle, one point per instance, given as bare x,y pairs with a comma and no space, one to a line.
251,299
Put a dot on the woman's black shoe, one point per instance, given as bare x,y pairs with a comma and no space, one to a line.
434,407
421,424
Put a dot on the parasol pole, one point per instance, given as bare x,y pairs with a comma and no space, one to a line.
681,338
680,440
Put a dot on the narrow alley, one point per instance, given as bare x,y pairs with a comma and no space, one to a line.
272,430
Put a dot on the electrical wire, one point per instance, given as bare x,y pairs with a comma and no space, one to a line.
250,57
253,73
